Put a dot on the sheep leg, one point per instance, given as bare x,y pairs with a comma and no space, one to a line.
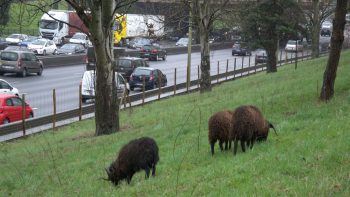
251,143
235,147
226,144
229,144
147,170
128,178
212,143
220,144
154,170
243,145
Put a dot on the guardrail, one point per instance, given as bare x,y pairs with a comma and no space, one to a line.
67,60
138,99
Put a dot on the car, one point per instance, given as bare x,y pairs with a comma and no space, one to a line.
260,56
153,52
3,43
27,41
88,85
14,39
11,109
151,77
126,65
139,42
43,46
80,38
20,62
17,48
7,88
294,46
182,42
326,32
71,48
241,49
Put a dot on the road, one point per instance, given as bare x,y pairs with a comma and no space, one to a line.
66,80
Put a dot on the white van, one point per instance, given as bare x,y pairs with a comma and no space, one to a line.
89,81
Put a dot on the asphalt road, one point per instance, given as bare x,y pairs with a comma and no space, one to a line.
65,80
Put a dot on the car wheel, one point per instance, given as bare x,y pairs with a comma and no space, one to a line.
6,121
1,73
157,57
54,52
24,72
83,100
31,115
131,88
44,52
164,57
40,71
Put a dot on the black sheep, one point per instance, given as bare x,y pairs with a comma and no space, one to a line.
248,125
219,126
138,154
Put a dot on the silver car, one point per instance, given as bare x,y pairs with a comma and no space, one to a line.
20,62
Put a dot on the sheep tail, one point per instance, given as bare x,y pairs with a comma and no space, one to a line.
271,126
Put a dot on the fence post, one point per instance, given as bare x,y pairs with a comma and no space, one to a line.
175,82
54,109
234,69
217,79
286,55
143,90
248,65
302,55
188,80
159,86
226,69
242,66
198,76
80,103
281,58
24,114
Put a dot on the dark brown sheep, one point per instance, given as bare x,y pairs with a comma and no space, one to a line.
219,126
248,125
138,154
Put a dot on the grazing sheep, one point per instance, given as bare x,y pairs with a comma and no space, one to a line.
219,126
138,154
248,125
262,133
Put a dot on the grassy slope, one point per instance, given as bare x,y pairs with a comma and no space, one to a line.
310,157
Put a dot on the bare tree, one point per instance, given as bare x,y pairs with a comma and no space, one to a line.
337,39
316,14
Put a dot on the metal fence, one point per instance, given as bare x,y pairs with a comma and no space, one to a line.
143,97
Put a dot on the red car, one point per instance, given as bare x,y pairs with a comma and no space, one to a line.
11,109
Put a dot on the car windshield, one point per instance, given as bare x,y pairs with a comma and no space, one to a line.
140,71
68,46
39,42
14,36
148,47
79,36
183,40
9,56
44,24
124,63
30,39
292,42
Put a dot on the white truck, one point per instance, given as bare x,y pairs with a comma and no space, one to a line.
51,25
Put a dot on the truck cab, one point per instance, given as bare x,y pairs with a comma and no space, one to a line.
53,29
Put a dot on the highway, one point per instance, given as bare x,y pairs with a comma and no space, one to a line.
65,80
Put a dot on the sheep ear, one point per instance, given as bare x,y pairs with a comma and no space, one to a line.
271,126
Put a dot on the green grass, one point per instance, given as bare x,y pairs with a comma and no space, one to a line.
309,157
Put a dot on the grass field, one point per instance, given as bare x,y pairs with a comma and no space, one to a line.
309,157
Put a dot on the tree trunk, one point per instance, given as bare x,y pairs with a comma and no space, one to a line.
106,107
204,22
337,39
315,29
271,49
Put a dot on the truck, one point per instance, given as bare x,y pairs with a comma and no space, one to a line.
129,26
52,25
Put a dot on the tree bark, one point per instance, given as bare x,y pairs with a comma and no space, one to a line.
315,29
204,25
106,107
337,39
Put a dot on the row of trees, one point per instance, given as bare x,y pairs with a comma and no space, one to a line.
263,23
